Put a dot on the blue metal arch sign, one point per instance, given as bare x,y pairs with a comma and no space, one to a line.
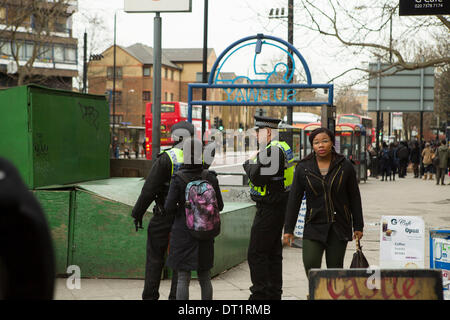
261,91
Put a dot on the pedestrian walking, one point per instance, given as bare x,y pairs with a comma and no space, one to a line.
333,203
270,174
155,188
403,157
126,152
415,158
442,156
373,161
144,148
385,162
395,163
427,160
188,252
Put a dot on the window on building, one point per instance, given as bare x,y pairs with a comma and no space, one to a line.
18,49
110,72
118,97
165,96
118,118
171,74
58,51
143,120
2,15
70,55
5,48
172,97
29,48
146,95
45,52
147,71
166,71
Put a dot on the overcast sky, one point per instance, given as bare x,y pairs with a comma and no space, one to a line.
229,20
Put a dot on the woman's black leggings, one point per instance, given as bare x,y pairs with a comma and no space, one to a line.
334,252
184,278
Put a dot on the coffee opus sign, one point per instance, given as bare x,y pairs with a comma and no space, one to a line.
402,242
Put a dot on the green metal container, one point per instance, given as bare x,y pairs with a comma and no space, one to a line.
54,136
94,229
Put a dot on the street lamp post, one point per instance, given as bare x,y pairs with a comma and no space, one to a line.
205,70
279,14
114,79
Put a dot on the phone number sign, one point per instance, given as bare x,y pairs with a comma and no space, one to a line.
424,7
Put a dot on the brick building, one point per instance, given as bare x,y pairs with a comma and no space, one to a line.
37,44
134,82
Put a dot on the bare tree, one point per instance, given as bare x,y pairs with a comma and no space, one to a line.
347,101
365,30
31,23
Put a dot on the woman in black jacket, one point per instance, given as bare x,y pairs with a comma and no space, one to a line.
333,203
186,253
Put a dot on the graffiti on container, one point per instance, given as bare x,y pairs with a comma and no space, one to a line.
89,114
392,288
40,148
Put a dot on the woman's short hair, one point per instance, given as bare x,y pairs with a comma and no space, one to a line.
315,132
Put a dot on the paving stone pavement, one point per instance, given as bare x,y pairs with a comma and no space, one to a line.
409,196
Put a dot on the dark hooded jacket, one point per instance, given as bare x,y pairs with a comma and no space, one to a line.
187,253
27,259
333,201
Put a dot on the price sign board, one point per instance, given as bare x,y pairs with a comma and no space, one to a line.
402,242
440,256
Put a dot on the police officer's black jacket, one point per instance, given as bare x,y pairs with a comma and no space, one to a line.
155,187
274,182
332,201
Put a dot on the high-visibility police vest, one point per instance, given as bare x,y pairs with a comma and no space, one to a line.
288,175
176,157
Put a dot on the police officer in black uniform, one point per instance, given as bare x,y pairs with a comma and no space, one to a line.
155,189
269,188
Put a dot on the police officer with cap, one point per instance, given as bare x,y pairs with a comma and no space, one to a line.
155,189
270,174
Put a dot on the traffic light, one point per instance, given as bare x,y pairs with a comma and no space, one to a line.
220,124
216,122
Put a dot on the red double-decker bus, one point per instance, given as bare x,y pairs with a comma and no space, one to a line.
358,119
171,113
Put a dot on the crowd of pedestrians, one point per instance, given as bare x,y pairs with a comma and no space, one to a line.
394,158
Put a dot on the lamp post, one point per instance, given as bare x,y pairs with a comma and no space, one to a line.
279,14
205,70
114,79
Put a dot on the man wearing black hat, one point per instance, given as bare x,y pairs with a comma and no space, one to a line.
270,174
155,189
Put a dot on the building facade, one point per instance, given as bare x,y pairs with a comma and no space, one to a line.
37,44
134,83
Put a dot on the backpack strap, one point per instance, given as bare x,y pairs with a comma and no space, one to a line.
204,174
182,176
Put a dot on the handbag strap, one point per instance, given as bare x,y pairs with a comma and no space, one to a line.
358,245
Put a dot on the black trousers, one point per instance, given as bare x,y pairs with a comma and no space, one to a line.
157,242
403,167
265,253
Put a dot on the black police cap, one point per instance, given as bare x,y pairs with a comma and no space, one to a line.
183,125
266,122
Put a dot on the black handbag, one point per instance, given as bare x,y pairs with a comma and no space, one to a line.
359,260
